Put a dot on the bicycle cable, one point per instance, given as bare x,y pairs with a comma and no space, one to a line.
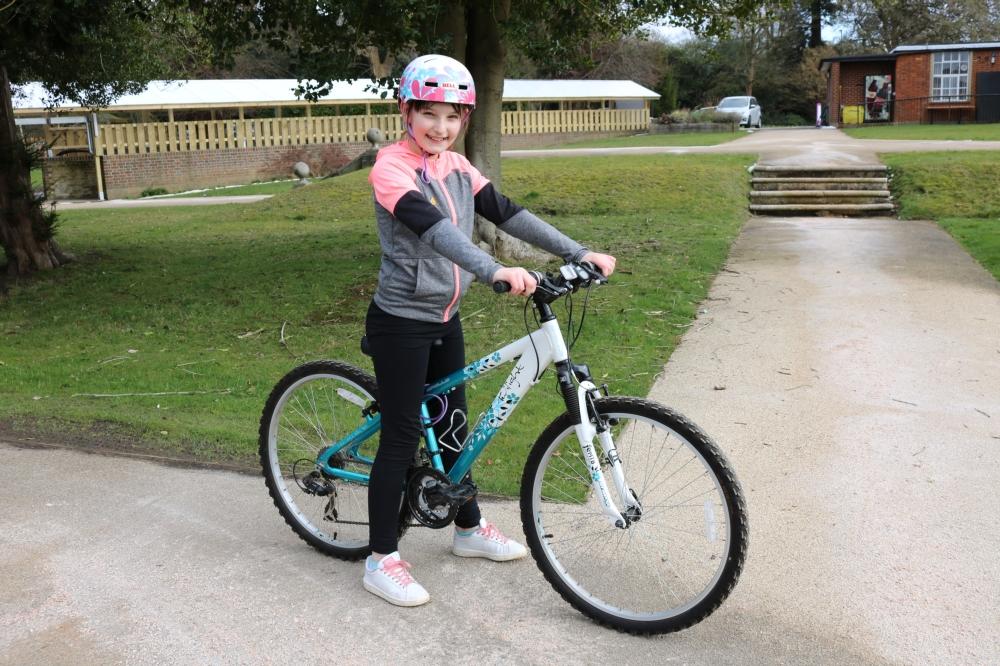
527,327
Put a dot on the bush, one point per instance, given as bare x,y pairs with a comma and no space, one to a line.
709,115
153,191
785,120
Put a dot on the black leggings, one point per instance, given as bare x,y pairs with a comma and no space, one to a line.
407,355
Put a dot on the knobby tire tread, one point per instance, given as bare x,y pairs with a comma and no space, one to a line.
727,479
322,367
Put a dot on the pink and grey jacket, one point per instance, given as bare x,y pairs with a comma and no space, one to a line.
425,228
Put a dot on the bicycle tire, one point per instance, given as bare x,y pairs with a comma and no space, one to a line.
320,402
606,585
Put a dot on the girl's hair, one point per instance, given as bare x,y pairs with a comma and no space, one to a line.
420,105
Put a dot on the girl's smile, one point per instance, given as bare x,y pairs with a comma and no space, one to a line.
435,127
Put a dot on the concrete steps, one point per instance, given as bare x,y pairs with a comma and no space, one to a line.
815,190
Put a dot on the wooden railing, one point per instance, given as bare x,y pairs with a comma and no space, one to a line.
197,135
589,120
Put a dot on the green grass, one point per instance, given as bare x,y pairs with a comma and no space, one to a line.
960,190
193,299
37,182
940,132
678,139
275,187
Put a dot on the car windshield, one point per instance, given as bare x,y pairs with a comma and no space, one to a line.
734,103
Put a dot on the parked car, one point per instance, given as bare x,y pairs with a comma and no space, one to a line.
746,109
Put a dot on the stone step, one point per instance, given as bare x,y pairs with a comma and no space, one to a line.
825,197
764,184
829,194
822,209
859,171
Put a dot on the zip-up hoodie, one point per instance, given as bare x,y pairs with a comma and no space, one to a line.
425,228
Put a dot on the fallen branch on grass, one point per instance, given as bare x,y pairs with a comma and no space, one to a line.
130,395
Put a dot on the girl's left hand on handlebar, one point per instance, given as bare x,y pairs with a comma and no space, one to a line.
604,262
521,281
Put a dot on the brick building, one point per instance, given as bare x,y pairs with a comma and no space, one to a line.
916,84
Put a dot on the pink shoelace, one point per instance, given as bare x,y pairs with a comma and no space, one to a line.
399,571
491,532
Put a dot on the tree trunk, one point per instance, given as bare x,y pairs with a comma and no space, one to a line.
21,219
815,23
485,53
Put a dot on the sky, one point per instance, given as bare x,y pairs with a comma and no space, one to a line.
675,35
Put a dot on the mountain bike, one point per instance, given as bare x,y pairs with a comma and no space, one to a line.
630,510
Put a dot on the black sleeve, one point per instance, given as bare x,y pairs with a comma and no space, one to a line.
494,206
417,213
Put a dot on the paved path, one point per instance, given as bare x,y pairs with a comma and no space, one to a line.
780,146
159,203
849,368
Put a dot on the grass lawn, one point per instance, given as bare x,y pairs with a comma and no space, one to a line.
193,299
36,179
274,187
960,190
946,132
678,139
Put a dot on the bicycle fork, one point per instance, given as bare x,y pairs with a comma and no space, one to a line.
586,431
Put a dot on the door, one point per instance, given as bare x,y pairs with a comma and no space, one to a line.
988,97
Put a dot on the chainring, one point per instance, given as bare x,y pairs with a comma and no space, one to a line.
427,504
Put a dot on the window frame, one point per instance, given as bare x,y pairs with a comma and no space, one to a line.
942,63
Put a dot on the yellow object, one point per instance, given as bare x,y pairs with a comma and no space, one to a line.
852,115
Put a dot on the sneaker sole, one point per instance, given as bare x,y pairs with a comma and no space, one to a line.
486,556
395,602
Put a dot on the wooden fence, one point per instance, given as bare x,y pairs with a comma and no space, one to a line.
195,135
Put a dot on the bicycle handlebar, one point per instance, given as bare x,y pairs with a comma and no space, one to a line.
570,277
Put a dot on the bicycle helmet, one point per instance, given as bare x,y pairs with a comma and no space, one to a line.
437,78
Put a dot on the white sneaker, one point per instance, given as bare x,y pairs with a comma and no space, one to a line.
391,580
488,542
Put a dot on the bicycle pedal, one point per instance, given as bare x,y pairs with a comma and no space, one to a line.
459,493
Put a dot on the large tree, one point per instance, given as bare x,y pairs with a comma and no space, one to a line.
93,50
87,51
886,24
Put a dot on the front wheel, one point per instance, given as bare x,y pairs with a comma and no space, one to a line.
682,552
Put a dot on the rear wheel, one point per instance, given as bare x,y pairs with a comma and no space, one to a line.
681,554
314,405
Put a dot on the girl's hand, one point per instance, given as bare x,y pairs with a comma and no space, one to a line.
520,280
605,262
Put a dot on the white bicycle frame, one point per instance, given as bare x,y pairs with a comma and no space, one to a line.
534,353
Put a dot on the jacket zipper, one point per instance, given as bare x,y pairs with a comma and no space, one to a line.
454,266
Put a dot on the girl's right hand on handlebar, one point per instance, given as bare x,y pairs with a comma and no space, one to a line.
521,282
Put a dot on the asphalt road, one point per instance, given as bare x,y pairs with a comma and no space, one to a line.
849,368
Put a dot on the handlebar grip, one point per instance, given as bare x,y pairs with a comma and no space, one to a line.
501,287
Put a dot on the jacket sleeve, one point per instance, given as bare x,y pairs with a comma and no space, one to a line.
521,223
397,193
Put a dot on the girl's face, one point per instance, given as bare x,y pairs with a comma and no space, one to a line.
435,127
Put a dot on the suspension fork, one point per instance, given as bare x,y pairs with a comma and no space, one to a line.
579,401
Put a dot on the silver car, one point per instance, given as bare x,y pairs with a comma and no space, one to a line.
745,108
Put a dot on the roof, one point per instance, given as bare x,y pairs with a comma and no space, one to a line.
824,64
908,48
266,92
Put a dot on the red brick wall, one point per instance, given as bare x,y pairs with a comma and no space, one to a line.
129,175
553,139
913,80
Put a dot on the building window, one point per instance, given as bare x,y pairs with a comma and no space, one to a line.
950,81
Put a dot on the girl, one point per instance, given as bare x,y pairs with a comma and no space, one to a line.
426,198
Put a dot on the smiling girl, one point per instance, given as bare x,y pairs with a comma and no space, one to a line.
426,199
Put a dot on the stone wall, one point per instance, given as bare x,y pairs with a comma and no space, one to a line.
71,176
129,175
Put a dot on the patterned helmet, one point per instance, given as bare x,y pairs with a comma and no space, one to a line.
437,78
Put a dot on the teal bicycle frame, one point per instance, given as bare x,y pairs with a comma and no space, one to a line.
533,354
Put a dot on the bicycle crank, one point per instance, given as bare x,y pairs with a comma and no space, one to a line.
433,499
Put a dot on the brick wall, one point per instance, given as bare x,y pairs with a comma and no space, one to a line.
70,176
129,175
913,80
553,139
